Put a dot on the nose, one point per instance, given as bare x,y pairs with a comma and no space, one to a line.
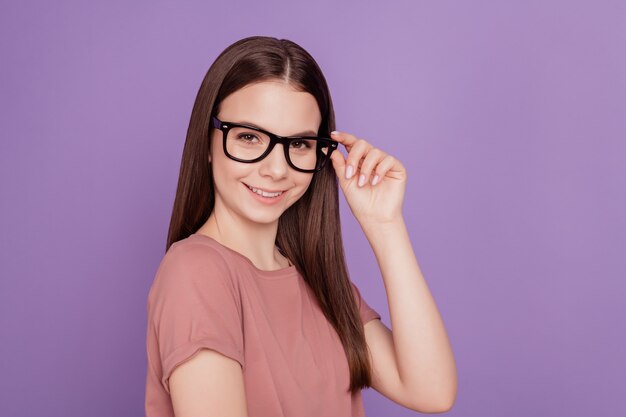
275,163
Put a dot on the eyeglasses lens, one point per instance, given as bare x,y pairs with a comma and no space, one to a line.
248,144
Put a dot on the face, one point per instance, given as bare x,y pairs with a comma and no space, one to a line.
278,108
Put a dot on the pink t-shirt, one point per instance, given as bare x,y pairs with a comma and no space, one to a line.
206,295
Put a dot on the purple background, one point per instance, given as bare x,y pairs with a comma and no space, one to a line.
510,118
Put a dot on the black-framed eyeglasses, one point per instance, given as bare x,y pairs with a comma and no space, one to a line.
250,144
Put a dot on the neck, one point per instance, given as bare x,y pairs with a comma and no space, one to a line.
255,241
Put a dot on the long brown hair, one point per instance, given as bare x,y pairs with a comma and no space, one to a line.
309,230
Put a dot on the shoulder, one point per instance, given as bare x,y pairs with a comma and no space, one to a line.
193,263
195,252
356,293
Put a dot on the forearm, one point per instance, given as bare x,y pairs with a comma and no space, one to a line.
423,353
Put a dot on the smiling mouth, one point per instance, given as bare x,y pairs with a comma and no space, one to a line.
264,193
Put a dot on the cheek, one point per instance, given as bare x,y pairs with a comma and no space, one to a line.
304,182
226,175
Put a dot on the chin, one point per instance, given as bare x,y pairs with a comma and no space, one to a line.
262,219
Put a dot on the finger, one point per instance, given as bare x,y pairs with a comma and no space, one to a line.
346,139
373,157
358,151
339,163
383,167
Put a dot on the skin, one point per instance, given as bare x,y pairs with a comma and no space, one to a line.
413,365
239,221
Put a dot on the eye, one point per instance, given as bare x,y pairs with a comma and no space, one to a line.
301,144
247,137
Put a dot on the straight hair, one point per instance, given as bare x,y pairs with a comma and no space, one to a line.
309,231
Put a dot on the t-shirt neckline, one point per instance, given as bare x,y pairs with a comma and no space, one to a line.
288,271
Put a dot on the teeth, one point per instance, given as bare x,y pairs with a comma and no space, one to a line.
263,193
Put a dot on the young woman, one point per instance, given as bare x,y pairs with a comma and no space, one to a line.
252,312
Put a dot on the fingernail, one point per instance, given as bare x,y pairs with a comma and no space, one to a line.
361,180
349,172
375,179
334,132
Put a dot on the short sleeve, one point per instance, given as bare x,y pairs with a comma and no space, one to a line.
366,312
193,304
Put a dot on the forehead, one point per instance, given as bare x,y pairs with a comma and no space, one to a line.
274,106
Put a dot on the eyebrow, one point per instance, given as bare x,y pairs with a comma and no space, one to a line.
305,133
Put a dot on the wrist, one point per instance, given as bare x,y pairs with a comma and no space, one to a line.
387,227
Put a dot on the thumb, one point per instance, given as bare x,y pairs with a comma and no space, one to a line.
339,163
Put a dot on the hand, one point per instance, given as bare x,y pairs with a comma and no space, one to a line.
377,202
